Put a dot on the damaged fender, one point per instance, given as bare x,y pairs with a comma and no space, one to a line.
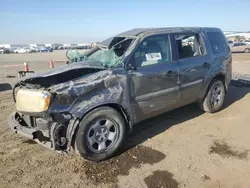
79,96
74,99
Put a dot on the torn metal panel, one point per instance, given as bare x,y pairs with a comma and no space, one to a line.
71,131
108,92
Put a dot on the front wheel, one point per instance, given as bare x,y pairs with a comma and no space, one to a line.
100,134
214,98
247,50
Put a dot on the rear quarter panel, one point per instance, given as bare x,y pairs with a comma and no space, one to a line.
221,64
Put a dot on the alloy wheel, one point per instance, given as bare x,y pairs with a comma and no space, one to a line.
216,97
102,135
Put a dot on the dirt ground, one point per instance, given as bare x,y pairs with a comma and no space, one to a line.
182,148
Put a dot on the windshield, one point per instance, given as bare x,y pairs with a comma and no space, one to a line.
109,58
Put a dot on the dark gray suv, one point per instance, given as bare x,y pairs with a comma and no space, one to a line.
91,103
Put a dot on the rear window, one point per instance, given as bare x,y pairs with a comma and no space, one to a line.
218,42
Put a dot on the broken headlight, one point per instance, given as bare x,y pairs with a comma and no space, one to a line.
28,100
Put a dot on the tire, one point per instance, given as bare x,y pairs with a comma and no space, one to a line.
213,103
247,50
96,130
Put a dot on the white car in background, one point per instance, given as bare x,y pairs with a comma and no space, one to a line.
32,49
230,42
247,41
21,50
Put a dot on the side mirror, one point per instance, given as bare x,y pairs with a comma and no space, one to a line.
131,67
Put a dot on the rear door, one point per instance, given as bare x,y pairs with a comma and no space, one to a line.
193,63
153,80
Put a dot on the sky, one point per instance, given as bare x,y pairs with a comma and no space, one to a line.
79,21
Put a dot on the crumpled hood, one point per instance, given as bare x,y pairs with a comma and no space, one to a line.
79,72
83,84
72,80
66,68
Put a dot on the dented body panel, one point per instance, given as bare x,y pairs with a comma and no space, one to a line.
137,92
79,96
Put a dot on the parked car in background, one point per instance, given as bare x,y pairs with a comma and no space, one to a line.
247,41
240,47
33,50
60,48
230,42
5,51
46,49
92,103
21,50
54,47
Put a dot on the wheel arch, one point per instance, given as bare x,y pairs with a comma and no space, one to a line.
246,49
119,108
219,76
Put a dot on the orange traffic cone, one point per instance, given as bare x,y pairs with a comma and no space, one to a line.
26,67
51,64
25,71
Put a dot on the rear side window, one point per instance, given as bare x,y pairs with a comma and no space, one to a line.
189,45
218,42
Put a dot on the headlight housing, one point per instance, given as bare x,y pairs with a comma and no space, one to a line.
29,100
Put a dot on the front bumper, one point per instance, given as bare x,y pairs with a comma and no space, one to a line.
27,132
58,137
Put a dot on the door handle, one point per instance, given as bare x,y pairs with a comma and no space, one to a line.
171,73
206,65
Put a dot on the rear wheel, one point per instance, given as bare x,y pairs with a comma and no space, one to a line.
100,134
214,98
247,50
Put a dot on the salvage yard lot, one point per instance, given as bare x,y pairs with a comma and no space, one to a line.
182,148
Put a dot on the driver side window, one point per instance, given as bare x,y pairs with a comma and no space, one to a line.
152,50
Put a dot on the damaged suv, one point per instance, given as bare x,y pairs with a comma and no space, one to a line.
91,103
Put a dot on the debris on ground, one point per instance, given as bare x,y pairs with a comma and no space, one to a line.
224,150
161,179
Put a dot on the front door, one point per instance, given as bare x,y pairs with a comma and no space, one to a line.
193,63
153,82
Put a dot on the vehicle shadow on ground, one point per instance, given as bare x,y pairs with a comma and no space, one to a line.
154,126
236,92
5,87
